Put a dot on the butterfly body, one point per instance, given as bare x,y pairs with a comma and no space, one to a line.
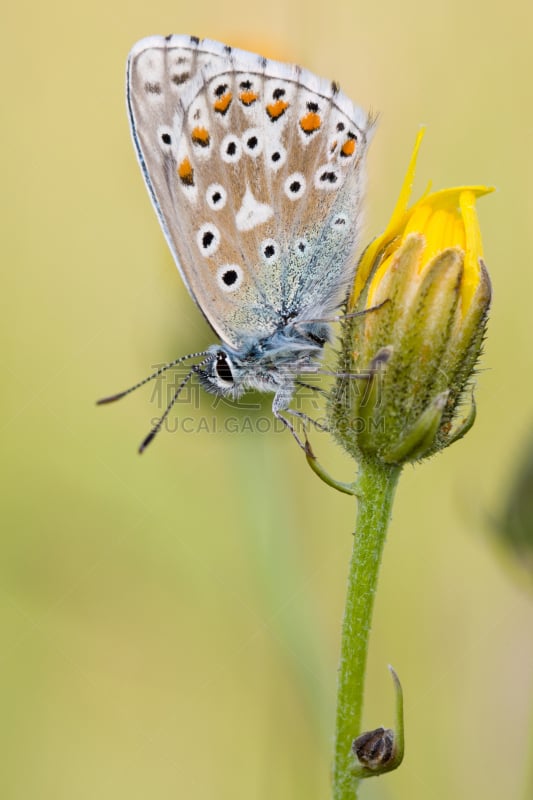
271,364
255,169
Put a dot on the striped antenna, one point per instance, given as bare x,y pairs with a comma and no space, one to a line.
159,424
156,374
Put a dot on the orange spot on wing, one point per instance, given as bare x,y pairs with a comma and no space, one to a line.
310,123
275,110
248,97
186,172
348,148
200,136
223,103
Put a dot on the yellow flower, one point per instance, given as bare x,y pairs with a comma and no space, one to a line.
425,292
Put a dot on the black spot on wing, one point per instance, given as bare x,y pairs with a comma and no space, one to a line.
207,238
229,277
182,78
329,177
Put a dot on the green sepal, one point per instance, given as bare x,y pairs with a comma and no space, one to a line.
464,426
371,401
420,437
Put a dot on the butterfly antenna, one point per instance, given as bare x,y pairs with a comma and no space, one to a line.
159,424
156,374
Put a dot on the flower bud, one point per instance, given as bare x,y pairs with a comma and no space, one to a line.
375,749
406,363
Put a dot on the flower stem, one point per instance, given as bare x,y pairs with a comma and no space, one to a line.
375,492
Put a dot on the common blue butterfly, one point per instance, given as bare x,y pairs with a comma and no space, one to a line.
255,170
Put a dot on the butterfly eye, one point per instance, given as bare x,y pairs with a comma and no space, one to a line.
223,368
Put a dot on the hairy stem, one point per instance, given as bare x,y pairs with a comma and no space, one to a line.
375,492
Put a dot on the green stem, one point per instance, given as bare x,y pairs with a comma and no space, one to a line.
375,492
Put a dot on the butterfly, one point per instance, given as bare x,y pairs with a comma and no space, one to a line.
255,169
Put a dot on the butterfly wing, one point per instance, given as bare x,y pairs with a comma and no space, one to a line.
255,171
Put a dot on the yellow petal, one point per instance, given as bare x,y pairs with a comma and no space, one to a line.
474,248
407,186
392,230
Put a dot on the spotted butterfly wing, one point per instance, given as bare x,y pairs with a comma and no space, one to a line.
255,169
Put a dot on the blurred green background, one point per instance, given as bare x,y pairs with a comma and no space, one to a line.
170,624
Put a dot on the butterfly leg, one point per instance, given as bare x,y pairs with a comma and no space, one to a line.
318,425
299,415
307,419
288,424
312,387
280,404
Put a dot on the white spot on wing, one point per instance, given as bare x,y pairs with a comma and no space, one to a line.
252,141
269,250
216,196
165,137
294,186
230,149
208,239
229,277
276,155
328,178
149,66
252,212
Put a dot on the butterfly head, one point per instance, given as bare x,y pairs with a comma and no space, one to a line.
222,375
266,365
